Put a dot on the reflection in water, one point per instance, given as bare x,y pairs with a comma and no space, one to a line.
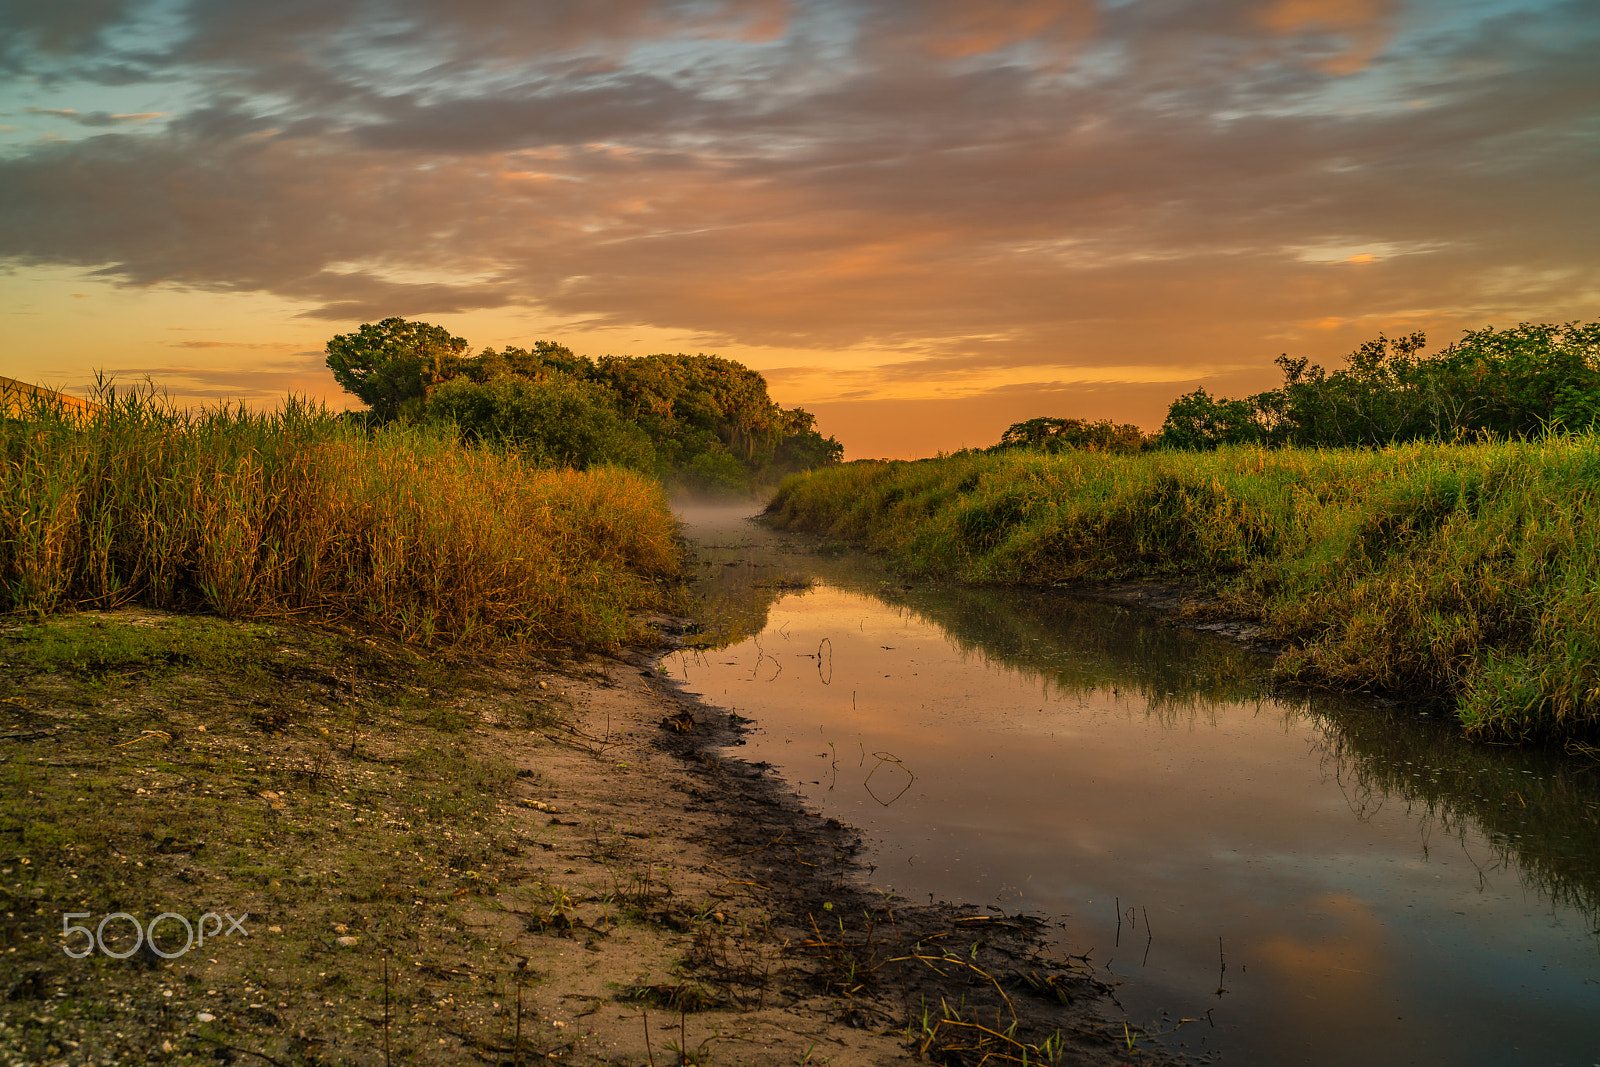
1318,878
893,783
1539,813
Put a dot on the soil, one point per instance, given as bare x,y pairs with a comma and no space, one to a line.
456,861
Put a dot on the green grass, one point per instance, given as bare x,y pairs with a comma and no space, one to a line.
90,646
1464,572
297,513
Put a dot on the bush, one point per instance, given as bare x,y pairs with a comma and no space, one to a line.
559,421
1519,382
1060,435
715,473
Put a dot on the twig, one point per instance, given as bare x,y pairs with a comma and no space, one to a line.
147,735
235,1048
517,1056
387,1060
752,851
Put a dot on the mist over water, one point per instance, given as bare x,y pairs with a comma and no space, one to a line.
1313,879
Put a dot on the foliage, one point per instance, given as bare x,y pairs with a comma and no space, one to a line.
1461,572
711,417
1517,382
297,512
714,473
1058,435
545,359
392,366
1197,421
556,420
717,397
704,422
802,447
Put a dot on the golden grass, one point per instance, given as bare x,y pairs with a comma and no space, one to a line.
296,512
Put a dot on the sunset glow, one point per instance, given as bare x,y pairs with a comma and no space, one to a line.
920,220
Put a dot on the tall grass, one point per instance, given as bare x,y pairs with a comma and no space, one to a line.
295,512
1470,573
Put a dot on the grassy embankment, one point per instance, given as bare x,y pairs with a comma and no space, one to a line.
294,513
1464,572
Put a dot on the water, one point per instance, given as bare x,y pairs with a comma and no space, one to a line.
1309,879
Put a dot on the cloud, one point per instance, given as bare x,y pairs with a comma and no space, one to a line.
303,374
413,40
229,344
616,108
980,188
58,27
1361,28
96,118
955,29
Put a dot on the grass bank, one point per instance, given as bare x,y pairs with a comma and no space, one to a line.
1469,573
297,513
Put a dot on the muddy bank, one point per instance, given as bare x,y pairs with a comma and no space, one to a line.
477,861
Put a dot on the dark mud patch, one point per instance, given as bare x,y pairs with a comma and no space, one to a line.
957,984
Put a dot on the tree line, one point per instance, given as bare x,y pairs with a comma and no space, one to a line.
701,422
1523,381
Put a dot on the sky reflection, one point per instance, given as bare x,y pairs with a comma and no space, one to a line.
1365,911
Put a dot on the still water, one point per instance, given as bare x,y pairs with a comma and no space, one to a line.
1307,879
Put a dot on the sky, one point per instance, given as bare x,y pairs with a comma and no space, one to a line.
922,220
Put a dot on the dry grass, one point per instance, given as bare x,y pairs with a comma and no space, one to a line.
295,512
1465,572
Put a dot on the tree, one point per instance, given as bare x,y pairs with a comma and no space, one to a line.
1197,422
1518,382
545,359
1058,435
393,366
803,447
682,396
678,415
560,420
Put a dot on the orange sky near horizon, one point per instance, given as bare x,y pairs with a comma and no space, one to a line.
922,221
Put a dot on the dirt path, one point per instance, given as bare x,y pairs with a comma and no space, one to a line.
480,862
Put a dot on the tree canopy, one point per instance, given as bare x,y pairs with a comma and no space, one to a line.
702,421
1058,435
393,365
1517,382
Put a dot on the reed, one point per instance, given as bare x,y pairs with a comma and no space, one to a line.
1469,573
296,512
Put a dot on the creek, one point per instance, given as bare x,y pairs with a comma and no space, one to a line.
1304,877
